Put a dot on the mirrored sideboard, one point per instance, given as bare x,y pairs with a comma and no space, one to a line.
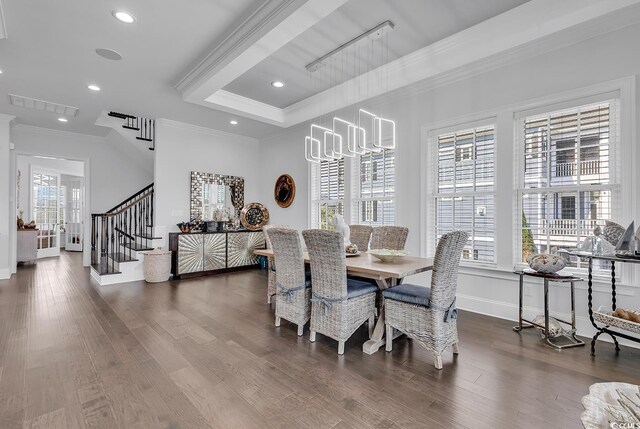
203,253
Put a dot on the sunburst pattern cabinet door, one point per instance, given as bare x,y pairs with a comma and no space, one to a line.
240,248
215,251
190,253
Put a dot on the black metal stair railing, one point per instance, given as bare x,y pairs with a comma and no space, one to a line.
119,232
146,127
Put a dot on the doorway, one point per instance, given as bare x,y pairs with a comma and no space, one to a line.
45,208
50,195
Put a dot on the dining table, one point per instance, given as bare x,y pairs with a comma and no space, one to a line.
385,274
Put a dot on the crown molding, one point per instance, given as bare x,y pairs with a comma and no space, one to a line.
204,130
247,107
51,132
274,24
6,118
252,28
496,42
3,27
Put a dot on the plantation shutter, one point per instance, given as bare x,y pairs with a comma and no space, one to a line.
465,198
568,180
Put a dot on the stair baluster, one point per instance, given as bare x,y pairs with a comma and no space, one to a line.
117,233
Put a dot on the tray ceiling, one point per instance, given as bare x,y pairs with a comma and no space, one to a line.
417,24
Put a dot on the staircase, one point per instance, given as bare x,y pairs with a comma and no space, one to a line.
118,237
145,127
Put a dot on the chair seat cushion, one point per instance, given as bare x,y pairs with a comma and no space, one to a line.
356,288
411,294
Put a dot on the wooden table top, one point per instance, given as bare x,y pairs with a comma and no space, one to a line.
368,266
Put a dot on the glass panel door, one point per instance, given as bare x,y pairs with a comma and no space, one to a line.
73,215
45,209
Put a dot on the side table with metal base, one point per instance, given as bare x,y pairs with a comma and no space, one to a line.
571,335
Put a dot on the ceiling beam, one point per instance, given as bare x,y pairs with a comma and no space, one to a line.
274,24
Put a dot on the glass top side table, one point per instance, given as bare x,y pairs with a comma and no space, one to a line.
573,341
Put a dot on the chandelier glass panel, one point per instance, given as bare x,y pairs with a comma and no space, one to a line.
350,69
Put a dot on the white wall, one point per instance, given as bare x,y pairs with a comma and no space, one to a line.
183,148
113,176
494,93
7,217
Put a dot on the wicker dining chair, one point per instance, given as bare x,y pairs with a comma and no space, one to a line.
389,237
428,315
360,236
271,267
293,287
339,306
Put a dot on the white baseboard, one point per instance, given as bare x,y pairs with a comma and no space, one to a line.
5,273
508,311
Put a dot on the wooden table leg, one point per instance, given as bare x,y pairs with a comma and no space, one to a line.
377,339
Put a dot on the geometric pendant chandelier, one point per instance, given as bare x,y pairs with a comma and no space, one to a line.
368,132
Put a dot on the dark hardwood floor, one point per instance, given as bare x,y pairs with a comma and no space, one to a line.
204,353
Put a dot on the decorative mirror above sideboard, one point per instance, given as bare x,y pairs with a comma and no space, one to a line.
215,191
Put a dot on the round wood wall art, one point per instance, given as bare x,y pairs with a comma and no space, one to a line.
254,216
285,191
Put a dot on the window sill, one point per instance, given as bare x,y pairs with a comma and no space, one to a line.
600,283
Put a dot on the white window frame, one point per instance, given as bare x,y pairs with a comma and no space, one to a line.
507,174
315,201
356,197
431,180
616,169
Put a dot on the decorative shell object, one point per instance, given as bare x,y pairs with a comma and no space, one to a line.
351,249
388,255
611,402
555,329
545,263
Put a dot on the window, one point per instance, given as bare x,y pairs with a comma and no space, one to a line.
464,192
567,187
327,192
374,188
371,181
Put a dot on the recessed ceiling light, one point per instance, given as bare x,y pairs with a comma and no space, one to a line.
277,84
233,122
63,119
0,71
123,16
109,54
94,87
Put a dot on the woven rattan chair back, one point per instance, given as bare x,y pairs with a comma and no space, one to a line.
267,240
287,252
444,278
328,262
360,236
389,237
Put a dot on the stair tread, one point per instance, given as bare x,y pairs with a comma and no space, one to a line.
147,236
137,246
131,128
104,270
122,257
142,138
